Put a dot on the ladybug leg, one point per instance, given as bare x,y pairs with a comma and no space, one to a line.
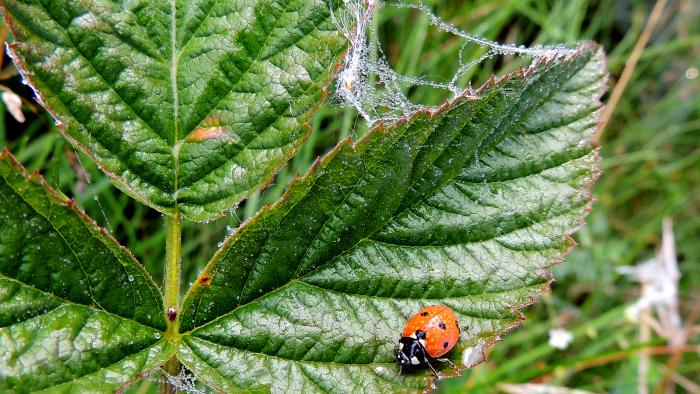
447,360
437,375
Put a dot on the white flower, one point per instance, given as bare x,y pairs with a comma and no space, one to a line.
560,338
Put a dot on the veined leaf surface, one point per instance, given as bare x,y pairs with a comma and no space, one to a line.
184,104
77,312
466,206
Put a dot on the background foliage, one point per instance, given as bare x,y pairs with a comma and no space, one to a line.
651,164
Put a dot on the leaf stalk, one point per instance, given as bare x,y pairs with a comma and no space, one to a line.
171,296
173,273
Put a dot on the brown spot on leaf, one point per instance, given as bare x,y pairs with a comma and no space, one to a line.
208,133
211,128
204,280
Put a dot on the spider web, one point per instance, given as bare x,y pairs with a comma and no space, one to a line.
367,82
183,382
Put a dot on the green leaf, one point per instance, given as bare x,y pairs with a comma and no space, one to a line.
189,104
466,206
77,312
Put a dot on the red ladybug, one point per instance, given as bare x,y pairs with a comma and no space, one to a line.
428,335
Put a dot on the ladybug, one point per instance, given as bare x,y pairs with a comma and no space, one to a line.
428,335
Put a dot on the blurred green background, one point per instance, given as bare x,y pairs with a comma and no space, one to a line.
651,164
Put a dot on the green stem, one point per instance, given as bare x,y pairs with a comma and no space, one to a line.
171,296
173,249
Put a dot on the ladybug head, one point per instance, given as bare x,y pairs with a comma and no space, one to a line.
412,349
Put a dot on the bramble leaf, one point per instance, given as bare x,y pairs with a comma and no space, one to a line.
467,206
77,312
189,104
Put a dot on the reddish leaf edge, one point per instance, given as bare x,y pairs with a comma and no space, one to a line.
492,83
587,189
26,75
37,178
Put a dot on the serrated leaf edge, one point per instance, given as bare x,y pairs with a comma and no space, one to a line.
491,83
121,183
37,178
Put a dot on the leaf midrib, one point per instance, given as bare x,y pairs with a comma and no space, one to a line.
65,302
254,61
301,363
257,136
100,241
426,195
173,68
280,357
174,61
299,281
368,239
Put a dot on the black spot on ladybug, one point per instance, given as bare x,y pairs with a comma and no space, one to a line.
445,345
442,325
424,314
420,334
